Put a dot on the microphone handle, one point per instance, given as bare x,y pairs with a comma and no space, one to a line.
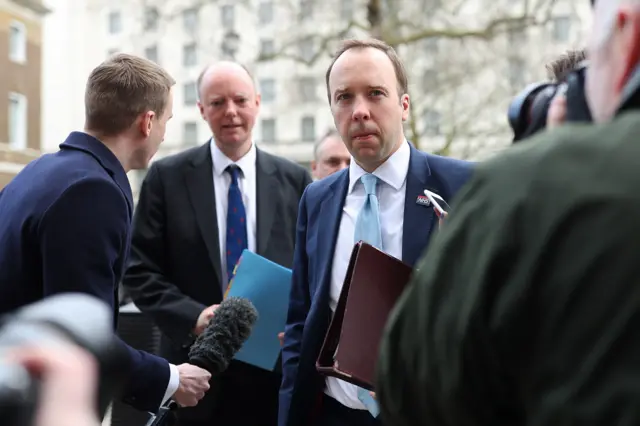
164,414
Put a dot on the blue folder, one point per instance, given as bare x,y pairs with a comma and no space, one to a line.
267,285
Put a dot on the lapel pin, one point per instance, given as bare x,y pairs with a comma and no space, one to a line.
423,200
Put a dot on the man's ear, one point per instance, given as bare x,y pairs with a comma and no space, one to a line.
146,123
201,109
628,23
405,102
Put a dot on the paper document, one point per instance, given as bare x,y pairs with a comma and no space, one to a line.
267,285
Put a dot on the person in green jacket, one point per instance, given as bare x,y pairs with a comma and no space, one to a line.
525,309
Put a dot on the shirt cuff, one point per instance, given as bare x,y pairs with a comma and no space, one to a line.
174,383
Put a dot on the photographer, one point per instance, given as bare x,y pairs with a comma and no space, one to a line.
542,105
527,305
68,378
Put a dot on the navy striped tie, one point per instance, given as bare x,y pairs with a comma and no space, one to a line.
236,223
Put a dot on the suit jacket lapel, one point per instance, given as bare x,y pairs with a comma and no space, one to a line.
418,218
199,179
267,195
328,226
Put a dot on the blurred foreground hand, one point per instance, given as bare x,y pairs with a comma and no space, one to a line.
69,380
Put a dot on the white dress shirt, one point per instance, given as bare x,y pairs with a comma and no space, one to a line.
390,190
247,184
174,383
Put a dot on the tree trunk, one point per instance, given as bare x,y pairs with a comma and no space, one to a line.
374,18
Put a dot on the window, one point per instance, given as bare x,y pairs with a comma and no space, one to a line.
151,18
190,94
227,13
268,90
307,88
17,42
308,129
17,121
561,29
115,22
306,49
431,122
265,12
346,9
190,133
151,53
267,47
268,130
190,19
190,55
306,9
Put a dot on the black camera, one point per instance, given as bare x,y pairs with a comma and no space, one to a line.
527,112
78,319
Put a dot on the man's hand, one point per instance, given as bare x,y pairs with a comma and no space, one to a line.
194,382
281,338
68,377
442,219
204,318
557,109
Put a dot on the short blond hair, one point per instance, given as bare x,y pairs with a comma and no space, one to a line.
401,73
120,89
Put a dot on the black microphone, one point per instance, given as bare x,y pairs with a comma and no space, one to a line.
214,349
225,334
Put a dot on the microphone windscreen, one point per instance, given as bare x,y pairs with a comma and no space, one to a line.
225,334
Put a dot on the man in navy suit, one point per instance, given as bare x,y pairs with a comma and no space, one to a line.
367,87
65,219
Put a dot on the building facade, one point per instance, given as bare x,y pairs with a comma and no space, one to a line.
20,84
460,88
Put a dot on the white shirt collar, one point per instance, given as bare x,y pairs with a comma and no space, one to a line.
393,171
221,161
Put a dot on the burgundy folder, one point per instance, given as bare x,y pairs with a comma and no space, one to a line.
373,284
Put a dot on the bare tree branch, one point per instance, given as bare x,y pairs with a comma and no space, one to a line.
474,47
390,30
323,44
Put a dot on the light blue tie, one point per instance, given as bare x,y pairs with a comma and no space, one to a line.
368,222
368,230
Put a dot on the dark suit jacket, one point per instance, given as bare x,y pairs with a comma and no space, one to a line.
175,269
318,224
64,227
